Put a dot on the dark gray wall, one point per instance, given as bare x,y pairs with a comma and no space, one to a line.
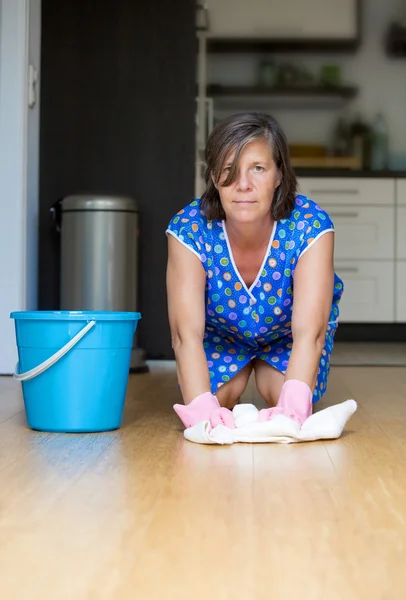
117,115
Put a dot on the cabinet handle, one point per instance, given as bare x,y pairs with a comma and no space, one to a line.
351,192
347,269
353,215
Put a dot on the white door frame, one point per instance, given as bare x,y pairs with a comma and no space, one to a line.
19,141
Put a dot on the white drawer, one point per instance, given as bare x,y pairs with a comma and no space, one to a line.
348,190
401,233
401,291
368,295
401,191
363,232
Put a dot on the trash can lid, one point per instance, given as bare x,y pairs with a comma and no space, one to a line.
99,202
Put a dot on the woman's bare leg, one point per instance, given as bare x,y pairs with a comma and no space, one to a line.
269,381
229,393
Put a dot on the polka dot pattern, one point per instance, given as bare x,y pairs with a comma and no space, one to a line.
243,323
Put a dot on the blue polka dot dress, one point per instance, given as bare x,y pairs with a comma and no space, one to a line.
245,323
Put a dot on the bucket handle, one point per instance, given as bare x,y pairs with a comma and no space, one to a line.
55,357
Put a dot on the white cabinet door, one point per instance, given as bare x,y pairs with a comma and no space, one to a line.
401,192
401,233
363,232
349,191
272,19
401,252
401,291
368,291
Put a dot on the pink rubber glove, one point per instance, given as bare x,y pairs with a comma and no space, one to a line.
205,407
295,401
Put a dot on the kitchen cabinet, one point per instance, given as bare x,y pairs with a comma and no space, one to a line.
401,220
364,232
401,233
401,192
292,19
368,221
368,291
349,191
363,212
401,291
401,251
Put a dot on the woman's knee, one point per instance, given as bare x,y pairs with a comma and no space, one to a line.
229,393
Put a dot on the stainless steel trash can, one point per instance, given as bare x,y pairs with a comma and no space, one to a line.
99,256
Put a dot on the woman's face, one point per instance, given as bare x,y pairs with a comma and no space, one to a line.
249,197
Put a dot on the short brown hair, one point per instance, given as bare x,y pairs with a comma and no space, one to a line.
234,133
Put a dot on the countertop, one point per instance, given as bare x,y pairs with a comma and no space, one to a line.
302,172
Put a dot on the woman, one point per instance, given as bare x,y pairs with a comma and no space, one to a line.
250,281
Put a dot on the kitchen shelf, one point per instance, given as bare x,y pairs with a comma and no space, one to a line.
395,41
310,96
244,45
326,162
220,90
254,44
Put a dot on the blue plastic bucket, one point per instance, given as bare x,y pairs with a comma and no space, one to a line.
74,367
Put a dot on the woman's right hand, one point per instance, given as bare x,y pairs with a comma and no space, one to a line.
204,407
186,283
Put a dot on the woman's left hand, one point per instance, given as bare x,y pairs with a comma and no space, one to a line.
295,402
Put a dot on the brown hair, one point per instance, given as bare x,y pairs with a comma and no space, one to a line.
234,133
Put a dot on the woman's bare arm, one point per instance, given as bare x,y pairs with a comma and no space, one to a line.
186,280
313,292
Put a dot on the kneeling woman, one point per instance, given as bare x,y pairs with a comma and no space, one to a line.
250,280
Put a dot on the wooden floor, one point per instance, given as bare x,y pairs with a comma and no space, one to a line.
142,514
369,354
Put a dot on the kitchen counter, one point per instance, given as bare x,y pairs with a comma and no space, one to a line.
303,172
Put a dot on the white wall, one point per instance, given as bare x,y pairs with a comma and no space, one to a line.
381,81
18,172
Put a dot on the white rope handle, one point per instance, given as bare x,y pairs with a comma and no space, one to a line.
55,357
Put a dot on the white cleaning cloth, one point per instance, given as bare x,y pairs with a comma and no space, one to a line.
323,425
